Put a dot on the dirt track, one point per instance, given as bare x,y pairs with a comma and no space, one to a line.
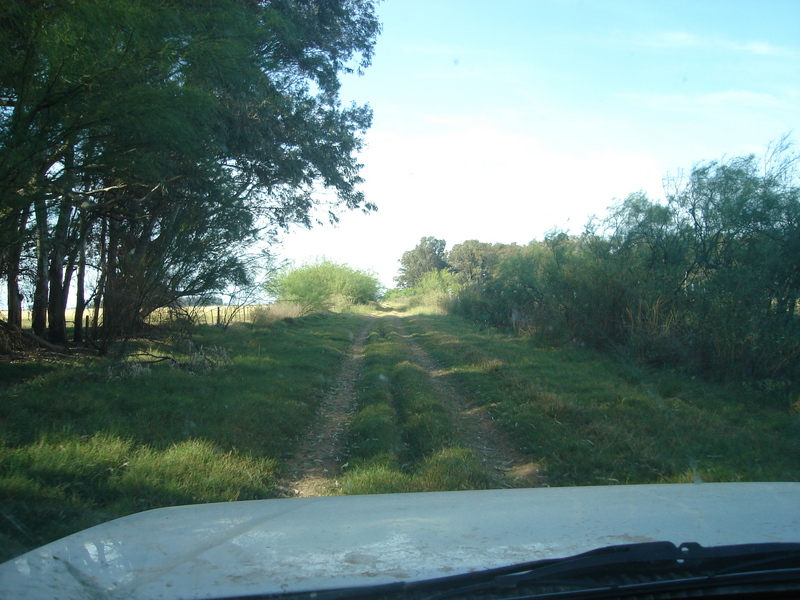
311,471
319,456
506,465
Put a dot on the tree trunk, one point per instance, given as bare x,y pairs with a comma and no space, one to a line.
101,283
14,296
59,279
80,301
112,301
41,292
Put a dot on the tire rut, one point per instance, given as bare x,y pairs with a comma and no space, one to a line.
319,458
320,455
506,465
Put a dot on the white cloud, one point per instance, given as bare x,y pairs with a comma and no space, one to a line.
701,103
684,39
474,182
764,48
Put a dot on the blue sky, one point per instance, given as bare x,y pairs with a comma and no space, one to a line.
502,120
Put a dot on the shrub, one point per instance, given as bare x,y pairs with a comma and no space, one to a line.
322,285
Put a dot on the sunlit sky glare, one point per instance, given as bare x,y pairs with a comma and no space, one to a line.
501,120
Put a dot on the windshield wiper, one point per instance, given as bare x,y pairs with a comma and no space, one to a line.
643,567
619,571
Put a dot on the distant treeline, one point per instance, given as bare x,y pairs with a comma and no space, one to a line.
708,279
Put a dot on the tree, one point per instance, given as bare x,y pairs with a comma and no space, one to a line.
161,139
429,255
743,280
473,261
708,279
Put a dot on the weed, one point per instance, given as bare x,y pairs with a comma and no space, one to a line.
453,468
374,431
60,484
262,316
378,476
402,439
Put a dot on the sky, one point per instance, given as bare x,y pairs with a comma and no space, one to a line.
500,121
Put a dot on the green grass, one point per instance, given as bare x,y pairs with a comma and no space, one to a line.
427,303
88,441
593,419
402,439
453,468
59,485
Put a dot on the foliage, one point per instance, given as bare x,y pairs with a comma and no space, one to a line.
90,441
85,442
473,261
145,145
324,284
434,287
62,483
593,419
429,255
432,294
403,439
437,282
708,280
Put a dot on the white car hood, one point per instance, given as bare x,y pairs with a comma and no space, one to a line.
274,546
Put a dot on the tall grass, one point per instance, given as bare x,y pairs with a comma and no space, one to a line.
89,440
419,303
63,483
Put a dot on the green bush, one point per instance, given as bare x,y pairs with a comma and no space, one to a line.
703,281
325,284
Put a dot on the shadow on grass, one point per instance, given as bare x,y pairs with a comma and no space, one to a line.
84,443
58,486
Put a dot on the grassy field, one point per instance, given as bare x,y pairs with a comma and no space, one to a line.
595,419
200,315
85,440
81,443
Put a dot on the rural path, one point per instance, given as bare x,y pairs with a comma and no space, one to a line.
320,455
507,466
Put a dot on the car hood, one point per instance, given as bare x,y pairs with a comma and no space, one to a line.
303,544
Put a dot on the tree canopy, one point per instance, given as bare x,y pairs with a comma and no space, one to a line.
151,143
429,255
707,279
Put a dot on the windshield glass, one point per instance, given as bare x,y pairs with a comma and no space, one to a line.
269,250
